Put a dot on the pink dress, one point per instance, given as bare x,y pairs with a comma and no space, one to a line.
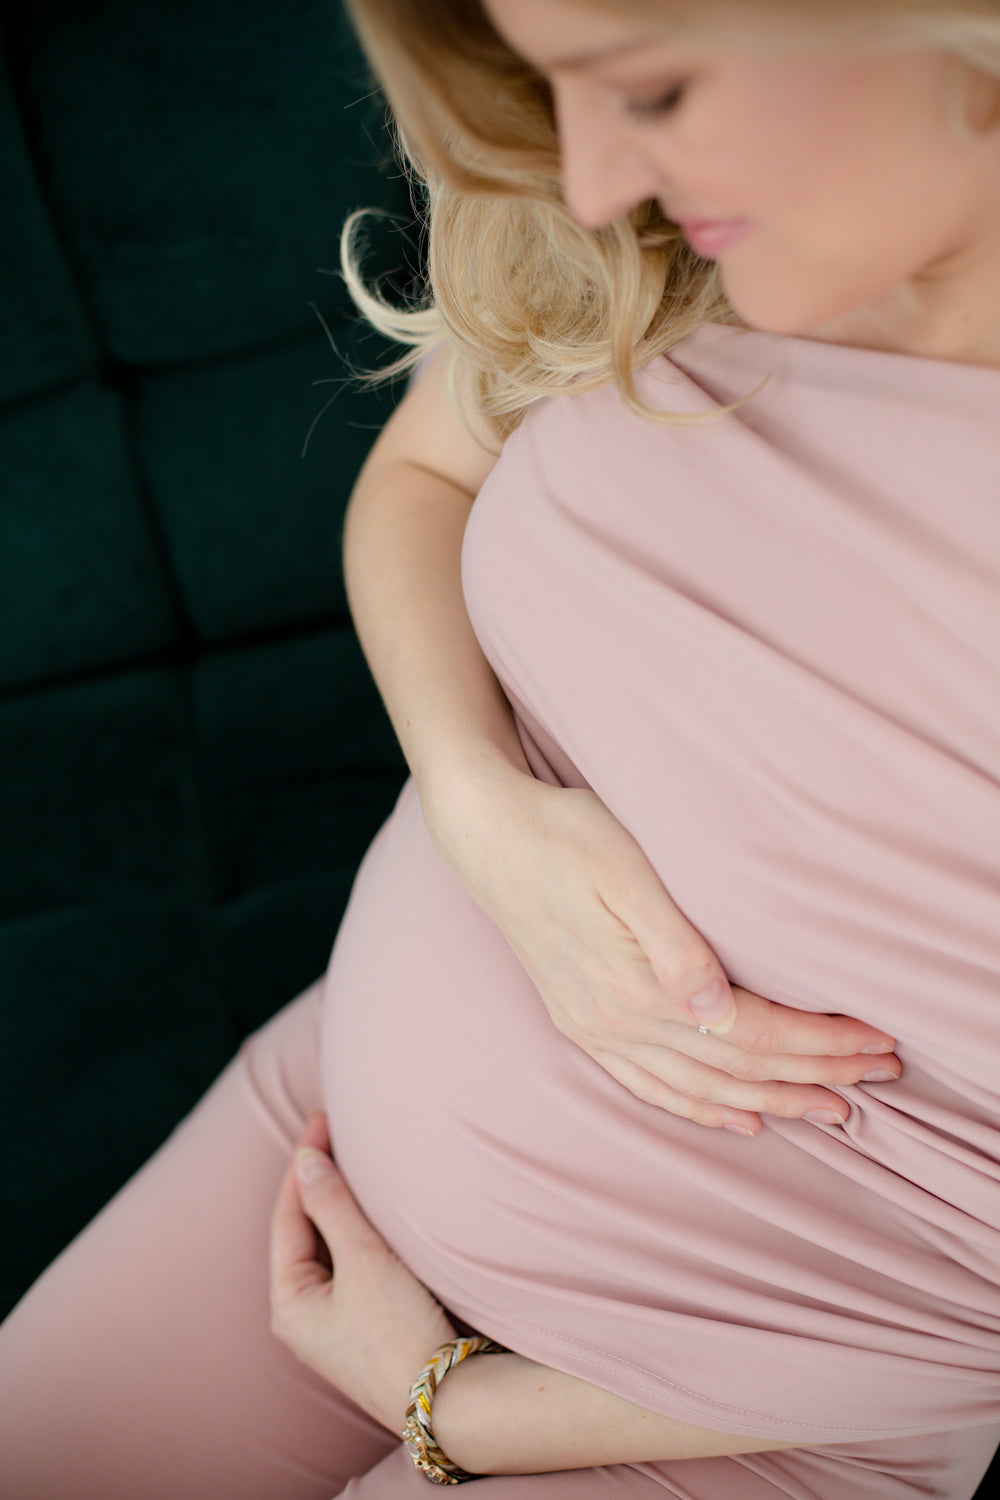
772,647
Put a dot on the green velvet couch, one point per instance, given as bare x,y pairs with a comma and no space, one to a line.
192,755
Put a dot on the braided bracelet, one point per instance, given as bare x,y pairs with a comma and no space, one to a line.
417,1435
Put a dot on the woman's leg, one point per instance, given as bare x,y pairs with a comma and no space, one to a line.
141,1363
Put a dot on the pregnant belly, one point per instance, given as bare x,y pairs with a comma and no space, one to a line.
546,1206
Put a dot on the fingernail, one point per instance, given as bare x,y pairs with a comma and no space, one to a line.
824,1117
311,1165
740,1130
880,1075
887,1046
712,1004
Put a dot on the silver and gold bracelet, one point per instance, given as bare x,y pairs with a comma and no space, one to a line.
417,1435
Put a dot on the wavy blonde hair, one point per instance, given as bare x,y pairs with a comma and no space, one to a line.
528,300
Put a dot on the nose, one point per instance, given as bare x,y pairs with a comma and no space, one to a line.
604,170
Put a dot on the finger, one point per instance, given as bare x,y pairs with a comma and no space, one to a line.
329,1203
316,1133
821,1072
653,1089
727,1086
764,1026
697,989
710,1098
295,1249
766,1067
707,1086
693,982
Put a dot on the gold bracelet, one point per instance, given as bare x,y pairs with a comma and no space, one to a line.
417,1435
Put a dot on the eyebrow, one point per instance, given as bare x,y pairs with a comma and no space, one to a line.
578,60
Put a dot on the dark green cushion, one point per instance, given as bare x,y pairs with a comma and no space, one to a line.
296,760
179,846
99,795
193,757
250,521
199,157
44,335
112,1026
80,577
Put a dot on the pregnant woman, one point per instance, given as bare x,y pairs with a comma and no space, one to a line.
734,562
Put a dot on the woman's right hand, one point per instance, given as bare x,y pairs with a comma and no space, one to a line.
622,972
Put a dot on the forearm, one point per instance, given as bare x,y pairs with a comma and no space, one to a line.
402,562
502,1414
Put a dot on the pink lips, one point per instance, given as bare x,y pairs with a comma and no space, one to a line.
709,237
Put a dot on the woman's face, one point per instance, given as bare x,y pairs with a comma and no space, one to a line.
870,219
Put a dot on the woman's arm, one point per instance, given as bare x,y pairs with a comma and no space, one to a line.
614,961
402,560
503,1414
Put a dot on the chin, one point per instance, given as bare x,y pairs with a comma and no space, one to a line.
776,303
779,309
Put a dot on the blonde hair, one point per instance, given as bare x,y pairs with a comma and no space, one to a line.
528,300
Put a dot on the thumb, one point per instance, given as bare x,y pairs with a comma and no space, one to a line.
683,965
328,1201
686,969
313,1166
713,1006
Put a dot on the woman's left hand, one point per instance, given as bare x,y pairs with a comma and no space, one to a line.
340,1299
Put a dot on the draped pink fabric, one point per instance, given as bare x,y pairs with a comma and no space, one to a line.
772,647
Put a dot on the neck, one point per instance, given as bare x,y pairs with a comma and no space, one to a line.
950,311
965,334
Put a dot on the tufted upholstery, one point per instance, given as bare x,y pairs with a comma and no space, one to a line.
192,756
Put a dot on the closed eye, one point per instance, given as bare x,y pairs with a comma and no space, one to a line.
663,104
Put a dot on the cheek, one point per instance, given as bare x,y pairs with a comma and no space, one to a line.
757,158
794,136
795,279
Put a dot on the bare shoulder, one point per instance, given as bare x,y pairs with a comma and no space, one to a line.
428,429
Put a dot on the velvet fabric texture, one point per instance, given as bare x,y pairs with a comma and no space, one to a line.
192,755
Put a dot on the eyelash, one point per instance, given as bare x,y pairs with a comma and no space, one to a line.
665,104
